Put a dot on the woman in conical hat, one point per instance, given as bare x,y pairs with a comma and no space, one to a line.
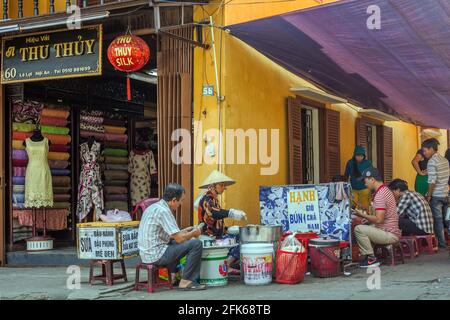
211,213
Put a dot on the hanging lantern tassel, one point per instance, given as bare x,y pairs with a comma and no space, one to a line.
128,88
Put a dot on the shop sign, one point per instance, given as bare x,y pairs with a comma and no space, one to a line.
97,243
129,241
303,210
208,91
52,55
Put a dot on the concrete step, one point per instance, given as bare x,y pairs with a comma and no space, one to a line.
56,258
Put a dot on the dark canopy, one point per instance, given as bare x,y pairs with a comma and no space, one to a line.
402,69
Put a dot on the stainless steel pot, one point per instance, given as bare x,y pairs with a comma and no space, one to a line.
260,233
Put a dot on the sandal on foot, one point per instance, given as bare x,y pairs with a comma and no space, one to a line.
193,287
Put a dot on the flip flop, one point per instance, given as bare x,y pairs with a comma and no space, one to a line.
193,287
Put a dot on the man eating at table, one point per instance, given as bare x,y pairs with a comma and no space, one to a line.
383,222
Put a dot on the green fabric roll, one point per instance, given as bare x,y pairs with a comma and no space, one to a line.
116,160
23,127
121,205
421,185
55,130
115,152
117,167
116,175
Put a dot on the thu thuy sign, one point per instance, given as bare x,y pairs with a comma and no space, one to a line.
303,210
52,55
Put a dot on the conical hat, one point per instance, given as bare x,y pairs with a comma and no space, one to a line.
216,177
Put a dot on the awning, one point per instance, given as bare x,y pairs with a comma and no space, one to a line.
402,69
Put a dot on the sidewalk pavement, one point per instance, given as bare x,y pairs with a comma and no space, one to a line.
427,277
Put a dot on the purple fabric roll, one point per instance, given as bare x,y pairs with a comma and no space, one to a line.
19,171
19,181
60,172
19,155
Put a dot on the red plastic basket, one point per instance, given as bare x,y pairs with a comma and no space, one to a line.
291,266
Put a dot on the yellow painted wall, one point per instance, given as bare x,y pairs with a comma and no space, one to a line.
28,7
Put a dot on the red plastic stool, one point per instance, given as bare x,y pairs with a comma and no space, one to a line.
392,251
153,280
411,245
107,275
427,243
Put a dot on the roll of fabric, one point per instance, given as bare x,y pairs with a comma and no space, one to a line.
23,127
116,197
116,145
116,137
114,129
116,183
18,181
109,166
18,145
116,175
61,181
91,119
114,122
97,136
22,136
19,171
59,148
61,190
92,127
61,205
116,160
18,197
19,155
57,164
19,163
115,152
18,205
61,198
121,205
19,188
55,130
56,219
92,113
116,190
58,138
55,113
50,121
60,172
26,111
61,156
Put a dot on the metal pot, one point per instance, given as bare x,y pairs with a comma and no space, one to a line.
260,233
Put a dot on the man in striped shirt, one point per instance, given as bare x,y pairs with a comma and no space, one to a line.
383,228
438,175
415,216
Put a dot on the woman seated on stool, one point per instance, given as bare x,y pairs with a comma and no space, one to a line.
210,212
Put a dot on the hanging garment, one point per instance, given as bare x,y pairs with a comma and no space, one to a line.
50,121
90,189
38,179
55,219
141,165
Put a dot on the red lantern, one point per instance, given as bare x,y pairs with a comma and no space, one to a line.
128,53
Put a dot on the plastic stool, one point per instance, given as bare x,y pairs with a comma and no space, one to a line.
427,243
410,244
153,280
107,275
393,251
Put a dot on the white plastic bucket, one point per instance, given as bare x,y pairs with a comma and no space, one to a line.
214,269
257,263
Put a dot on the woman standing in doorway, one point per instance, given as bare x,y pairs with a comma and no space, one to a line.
420,165
353,169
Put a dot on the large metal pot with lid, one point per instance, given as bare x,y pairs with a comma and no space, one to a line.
254,233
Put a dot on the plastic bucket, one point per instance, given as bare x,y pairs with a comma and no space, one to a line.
214,269
257,263
325,257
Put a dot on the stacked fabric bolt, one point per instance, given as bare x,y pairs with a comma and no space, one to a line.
55,126
91,125
25,116
115,157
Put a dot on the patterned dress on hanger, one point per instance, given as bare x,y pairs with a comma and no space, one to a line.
141,166
90,188
38,178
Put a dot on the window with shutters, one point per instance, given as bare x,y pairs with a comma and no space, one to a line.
310,145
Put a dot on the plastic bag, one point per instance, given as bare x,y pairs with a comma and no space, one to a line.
117,215
291,244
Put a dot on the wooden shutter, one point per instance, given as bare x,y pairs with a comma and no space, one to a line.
361,132
174,110
295,140
2,178
388,154
331,148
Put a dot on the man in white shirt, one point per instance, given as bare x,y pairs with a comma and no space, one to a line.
162,243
